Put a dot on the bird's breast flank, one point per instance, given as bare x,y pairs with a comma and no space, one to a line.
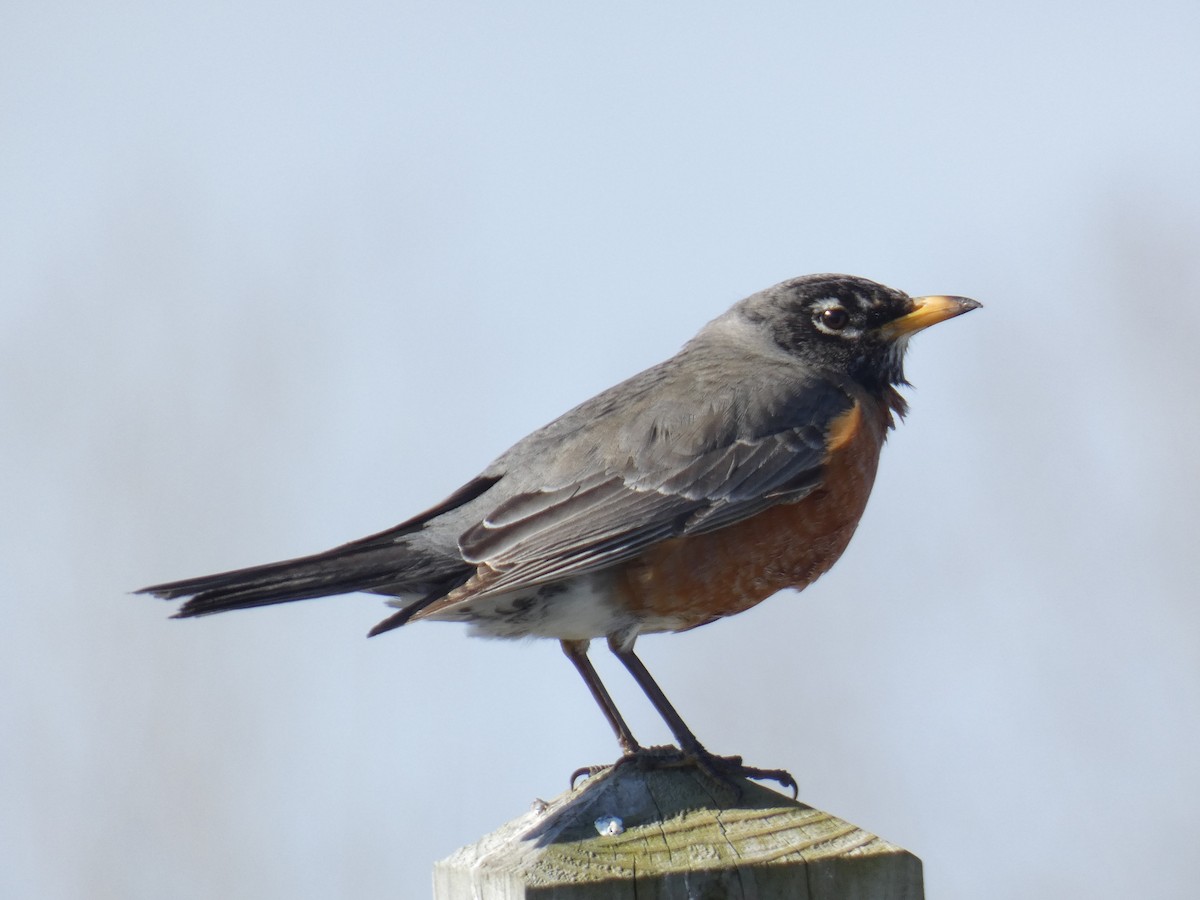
692,580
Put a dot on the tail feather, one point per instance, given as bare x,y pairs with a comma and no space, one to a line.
385,563
340,571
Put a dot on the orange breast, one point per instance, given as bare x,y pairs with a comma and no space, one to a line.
690,581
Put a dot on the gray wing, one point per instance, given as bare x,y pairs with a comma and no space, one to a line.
662,472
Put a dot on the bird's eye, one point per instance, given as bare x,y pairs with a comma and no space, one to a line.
833,318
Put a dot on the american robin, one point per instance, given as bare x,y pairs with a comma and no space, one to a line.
690,492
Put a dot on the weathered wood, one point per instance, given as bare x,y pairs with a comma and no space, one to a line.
683,839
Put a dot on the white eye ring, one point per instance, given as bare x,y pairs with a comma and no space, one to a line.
830,317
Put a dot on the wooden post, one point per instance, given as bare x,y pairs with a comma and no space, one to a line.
671,834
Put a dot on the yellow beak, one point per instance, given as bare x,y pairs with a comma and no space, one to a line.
927,311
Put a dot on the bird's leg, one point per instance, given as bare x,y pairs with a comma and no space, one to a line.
722,768
687,741
576,652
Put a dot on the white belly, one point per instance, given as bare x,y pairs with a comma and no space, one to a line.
576,610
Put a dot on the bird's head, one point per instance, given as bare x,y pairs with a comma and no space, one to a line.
845,326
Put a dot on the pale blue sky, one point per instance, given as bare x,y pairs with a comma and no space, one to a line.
274,276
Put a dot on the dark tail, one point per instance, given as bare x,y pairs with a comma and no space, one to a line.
386,563
322,575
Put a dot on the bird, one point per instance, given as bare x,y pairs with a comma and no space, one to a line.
690,492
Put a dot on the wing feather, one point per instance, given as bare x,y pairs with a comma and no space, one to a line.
666,489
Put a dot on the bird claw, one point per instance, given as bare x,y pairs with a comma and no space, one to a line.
722,769
736,769
586,772
726,770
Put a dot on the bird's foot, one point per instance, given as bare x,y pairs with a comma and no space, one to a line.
724,770
663,757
